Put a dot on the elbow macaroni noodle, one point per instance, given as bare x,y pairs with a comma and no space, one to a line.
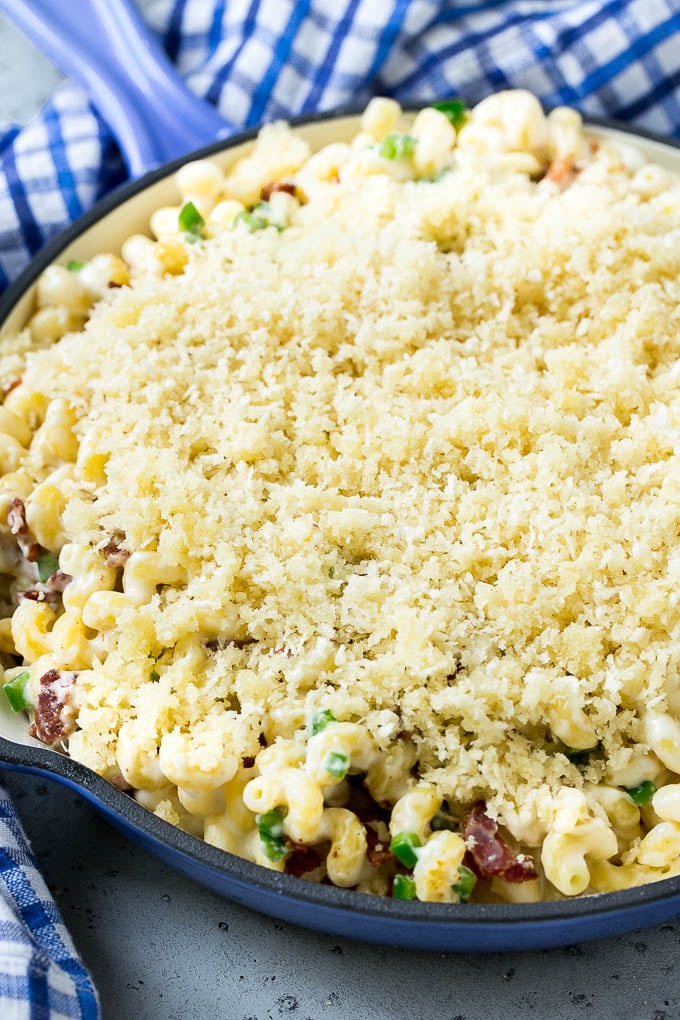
293,570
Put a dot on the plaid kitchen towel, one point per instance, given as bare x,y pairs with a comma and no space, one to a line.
262,59
41,975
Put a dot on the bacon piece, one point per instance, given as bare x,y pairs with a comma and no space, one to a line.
523,870
16,517
57,581
377,850
563,171
269,189
50,592
40,594
114,555
489,852
302,860
54,718
16,520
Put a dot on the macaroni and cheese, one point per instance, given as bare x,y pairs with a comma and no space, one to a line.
339,515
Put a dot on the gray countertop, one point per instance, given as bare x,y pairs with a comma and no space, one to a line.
162,948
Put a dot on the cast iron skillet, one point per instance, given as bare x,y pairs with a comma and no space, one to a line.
464,927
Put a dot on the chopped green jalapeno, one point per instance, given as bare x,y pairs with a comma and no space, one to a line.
337,764
454,110
191,221
16,691
47,564
74,265
404,846
154,676
270,828
642,794
320,721
397,146
467,880
257,218
252,220
404,888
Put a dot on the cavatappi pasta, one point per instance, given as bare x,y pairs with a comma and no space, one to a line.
339,516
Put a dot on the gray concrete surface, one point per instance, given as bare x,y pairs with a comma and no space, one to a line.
162,948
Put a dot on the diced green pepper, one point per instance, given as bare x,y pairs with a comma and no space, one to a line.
337,764
270,828
16,691
396,146
251,219
257,218
274,849
320,721
47,564
404,888
190,221
404,846
74,265
467,880
642,794
454,110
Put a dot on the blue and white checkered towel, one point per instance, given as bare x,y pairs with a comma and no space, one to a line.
262,59
41,975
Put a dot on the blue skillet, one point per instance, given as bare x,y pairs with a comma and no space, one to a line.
106,46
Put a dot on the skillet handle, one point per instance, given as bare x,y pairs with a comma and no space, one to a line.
106,46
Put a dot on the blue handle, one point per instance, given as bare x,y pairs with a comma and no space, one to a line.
106,46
